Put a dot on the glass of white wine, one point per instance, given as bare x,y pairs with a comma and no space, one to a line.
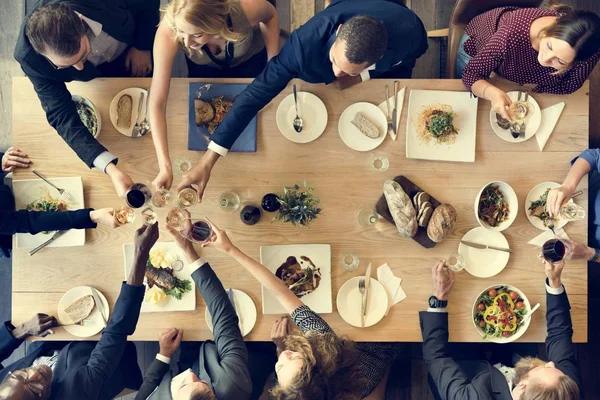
177,217
124,215
162,198
148,215
187,197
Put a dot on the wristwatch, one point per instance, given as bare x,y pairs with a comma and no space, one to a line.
434,302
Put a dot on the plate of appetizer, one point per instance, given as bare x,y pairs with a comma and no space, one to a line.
79,314
89,114
362,126
169,285
37,195
532,118
496,206
305,269
124,107
484,262
349,301
244,308
313,112
441,126
535,206
498,313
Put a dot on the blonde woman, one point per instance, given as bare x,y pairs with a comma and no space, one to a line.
220,38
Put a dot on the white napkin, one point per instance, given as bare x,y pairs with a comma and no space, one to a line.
547,235
550,117
392,285
383,107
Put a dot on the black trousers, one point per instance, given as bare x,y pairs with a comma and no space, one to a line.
250,69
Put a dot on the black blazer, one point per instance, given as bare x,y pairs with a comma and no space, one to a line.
130,21
479,380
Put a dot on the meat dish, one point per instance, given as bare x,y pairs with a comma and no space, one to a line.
210,115
167,281
301,280
538,208
493,207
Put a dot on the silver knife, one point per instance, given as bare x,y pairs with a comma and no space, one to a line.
484,246
230,294
56,235
395,111
367,284
99,304
390,125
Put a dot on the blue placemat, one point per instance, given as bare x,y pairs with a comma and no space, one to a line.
198,136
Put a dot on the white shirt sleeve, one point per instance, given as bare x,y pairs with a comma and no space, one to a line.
162,358
195,265
103,159
438,310
220,150
555,291
366,74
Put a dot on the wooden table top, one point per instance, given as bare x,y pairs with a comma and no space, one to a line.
345,184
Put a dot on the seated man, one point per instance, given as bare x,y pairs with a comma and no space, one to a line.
220,369
81,370
531,378
33,222
350,41
76,40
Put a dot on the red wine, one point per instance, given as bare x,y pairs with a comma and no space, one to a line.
201,231
554,250
136,198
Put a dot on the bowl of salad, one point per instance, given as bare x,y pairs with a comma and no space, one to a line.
88,113
498,313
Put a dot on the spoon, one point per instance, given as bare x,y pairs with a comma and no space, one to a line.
145,125
528,315
297,121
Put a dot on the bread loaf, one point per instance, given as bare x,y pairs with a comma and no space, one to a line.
401,208
80,309
368,128
441,223
124,107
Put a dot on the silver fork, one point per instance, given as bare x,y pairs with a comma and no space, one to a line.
550,224
361,289
135,132
64,195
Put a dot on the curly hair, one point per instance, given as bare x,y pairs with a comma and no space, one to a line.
366,39
330,369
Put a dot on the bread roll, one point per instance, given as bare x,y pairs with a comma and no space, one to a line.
203,111
80,309
401,208
124,107
441,223
368,128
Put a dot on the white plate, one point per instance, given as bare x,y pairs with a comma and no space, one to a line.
245,309
76,98
273,256
30,190
135,96
349,302
312,111
188,300
352,136
533,124
513,205
484,263
465,107
96,323
533,195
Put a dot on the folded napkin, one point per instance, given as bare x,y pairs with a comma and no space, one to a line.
547,235
550,117
392,286
383,107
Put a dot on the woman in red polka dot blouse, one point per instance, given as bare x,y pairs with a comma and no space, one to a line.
555,48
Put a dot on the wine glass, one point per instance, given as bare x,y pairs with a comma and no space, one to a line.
367,217
572,212
162,198
138,195
148,215
380,163
181,165
350,262
124,215
229,201
187,197
554,250
198,232
177,217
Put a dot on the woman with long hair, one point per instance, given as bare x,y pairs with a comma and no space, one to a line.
316,363
554,48
220,39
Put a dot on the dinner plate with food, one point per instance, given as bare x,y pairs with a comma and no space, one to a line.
244,308
349,302
169,285
305,269
362,126
124,108
498,313
535,206
485,252
527,112
79,314
441,126
496,206
37,195
89,114
313,112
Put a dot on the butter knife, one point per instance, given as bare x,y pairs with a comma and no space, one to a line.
230,294
99,304
484,246
367,284
395,111
390,125
56,235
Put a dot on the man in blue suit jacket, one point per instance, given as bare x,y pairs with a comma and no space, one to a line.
348,42
81,370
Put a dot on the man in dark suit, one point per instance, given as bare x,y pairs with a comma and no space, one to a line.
531,378
79,40
219,370
348,42
81,370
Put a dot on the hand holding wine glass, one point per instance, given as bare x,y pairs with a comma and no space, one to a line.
219,239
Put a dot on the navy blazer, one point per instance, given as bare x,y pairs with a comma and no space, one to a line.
306,56
129,21
89,370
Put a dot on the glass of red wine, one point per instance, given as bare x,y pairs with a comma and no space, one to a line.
554,250
138,195
198,232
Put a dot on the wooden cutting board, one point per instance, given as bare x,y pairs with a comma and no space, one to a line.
411,190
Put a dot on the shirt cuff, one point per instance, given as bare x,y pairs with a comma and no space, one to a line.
220,150
438,310
365,75
555,291
102,161
193,267
162,358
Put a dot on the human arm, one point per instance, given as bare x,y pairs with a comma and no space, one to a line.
34,222
11,337
587,161
14,158
262,12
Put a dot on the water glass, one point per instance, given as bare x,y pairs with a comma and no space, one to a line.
367,217
455,263
572,212
350,262
181,165
380,163
229,201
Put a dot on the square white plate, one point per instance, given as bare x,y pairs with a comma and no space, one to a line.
188,300
30,190
320,254
465,107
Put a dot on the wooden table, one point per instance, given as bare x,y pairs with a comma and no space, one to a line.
345,184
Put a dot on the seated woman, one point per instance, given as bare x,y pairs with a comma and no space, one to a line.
555,48
316,364
33,222
221,39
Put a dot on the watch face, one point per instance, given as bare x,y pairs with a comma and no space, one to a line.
433,302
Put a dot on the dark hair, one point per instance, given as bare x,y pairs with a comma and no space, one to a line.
55,27
366,39
579,28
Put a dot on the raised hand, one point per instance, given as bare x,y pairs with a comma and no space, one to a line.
219,240
169,341
442,279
